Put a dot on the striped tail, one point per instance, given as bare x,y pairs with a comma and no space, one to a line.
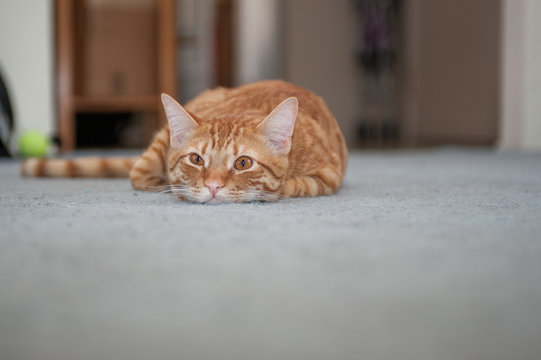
89,167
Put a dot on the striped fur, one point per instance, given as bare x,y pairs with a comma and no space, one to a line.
220,126
94,167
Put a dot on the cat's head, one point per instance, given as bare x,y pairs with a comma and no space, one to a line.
225,160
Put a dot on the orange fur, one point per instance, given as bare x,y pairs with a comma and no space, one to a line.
83,167
222,125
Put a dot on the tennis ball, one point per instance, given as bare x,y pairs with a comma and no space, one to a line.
33,144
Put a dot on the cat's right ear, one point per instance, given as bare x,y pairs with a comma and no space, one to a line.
180,121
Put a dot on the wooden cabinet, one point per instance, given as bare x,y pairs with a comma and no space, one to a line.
113,56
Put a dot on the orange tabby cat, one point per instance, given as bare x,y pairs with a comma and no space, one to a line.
261,141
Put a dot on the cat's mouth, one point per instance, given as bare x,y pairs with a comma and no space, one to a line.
216,198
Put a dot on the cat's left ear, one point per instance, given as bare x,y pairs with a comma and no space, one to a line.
278,126
180,121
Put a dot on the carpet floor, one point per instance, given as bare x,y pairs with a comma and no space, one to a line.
426,254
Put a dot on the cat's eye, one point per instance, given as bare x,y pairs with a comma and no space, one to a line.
196,159
243,163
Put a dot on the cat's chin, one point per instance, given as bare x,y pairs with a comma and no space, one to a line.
226,198
223,200
214,201
218,199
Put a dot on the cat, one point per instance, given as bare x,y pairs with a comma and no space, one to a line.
257,142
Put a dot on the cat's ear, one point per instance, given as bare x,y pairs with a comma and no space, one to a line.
278,126
180,121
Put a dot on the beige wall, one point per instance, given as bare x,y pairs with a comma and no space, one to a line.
520,124
513,63
258,43
26,60
319,44
451,71
532,120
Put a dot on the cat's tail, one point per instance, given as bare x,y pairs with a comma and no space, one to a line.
93,167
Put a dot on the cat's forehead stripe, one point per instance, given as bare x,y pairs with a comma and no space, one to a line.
204,148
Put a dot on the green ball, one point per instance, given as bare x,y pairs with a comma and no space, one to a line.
33,144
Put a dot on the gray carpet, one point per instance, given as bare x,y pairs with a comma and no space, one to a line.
432,254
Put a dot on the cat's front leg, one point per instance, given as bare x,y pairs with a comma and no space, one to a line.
149,173
325,182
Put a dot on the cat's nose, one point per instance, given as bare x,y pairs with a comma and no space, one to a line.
214,186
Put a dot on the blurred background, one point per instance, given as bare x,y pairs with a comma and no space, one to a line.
395,73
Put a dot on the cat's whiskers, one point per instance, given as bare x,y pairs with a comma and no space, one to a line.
173,188
196,194
154,188
249,195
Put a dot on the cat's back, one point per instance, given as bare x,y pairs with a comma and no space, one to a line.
255,101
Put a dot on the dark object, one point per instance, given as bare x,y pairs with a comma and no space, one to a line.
377,45
6,120
108,130
378,133
378,54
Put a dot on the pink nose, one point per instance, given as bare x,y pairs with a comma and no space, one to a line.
214,186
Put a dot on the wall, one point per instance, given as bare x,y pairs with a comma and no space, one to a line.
258,44
513,74
195,52
520,124
532,116
319,55
26,61
451,72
